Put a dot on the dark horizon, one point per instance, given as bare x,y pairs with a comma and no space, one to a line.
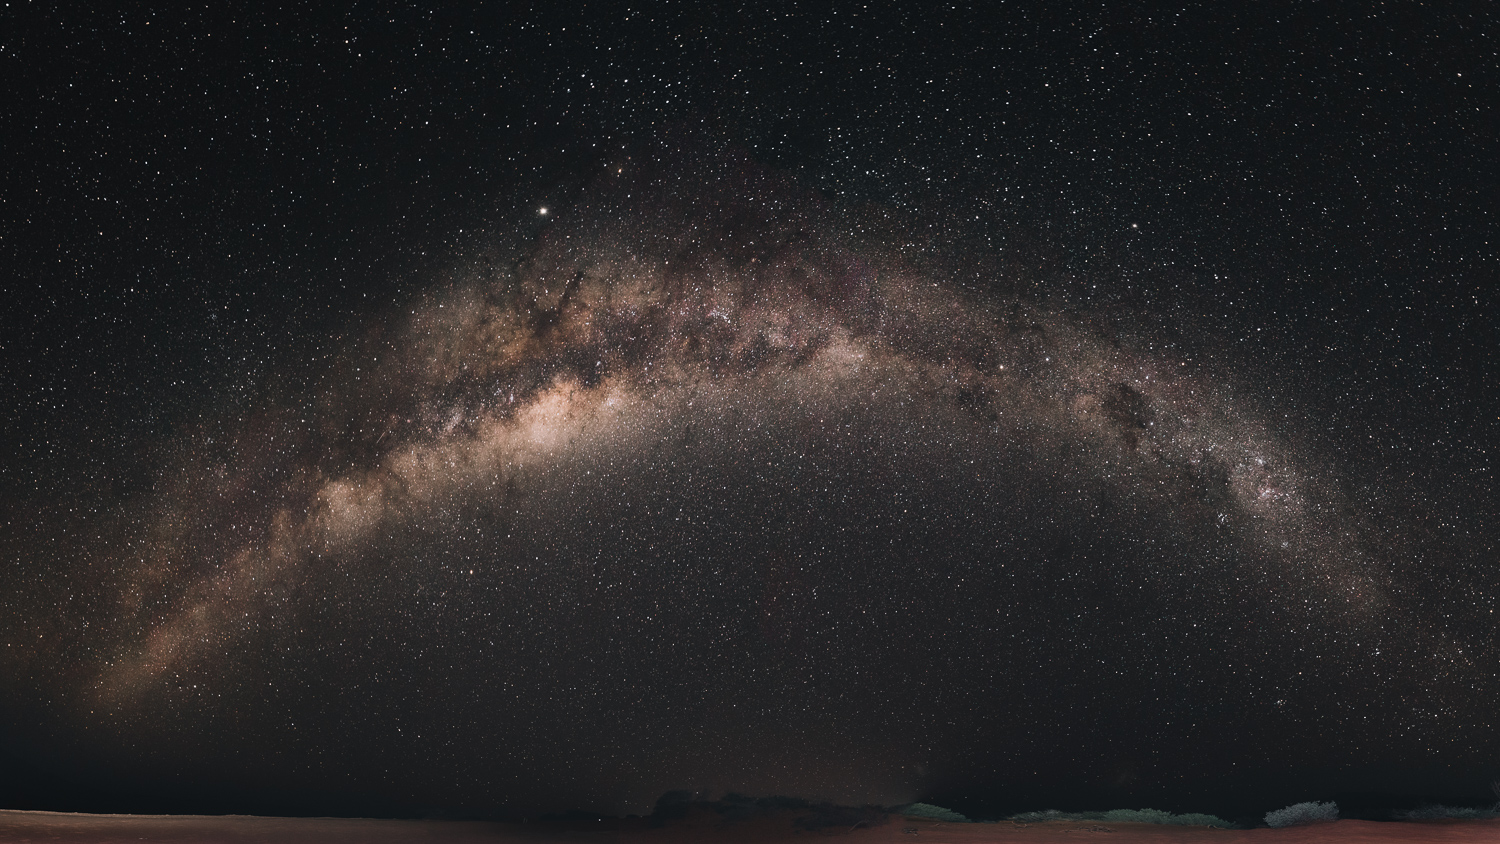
1243,800
444,412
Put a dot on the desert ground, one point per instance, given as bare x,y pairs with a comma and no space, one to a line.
65,827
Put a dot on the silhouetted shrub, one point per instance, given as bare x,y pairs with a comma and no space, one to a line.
826,815
734,807
927,810
674,805
1200,819
1155,816
1432,812
738,807
1301,813
777,803
1052,815
1138,816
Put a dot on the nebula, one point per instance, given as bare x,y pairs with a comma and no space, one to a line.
715,483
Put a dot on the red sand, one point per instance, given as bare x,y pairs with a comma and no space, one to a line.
52,826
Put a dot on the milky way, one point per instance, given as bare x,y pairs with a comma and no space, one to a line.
714,483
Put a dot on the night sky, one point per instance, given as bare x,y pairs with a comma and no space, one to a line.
1012,406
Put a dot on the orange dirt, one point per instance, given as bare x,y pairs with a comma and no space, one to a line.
18,826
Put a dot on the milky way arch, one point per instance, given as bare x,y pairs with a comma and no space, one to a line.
714,484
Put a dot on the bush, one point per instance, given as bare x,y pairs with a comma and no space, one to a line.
1301,813
672,806
738,807
1155,816
826,815
937,813
781,803
1051,815
1201,819
1138,816
1432,812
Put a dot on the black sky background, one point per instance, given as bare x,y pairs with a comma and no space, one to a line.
205,210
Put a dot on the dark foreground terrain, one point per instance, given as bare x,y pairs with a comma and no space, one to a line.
63,827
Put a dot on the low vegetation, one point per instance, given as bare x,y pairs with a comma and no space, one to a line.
927,810
819,815
1303,813
1433,812
1155,816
